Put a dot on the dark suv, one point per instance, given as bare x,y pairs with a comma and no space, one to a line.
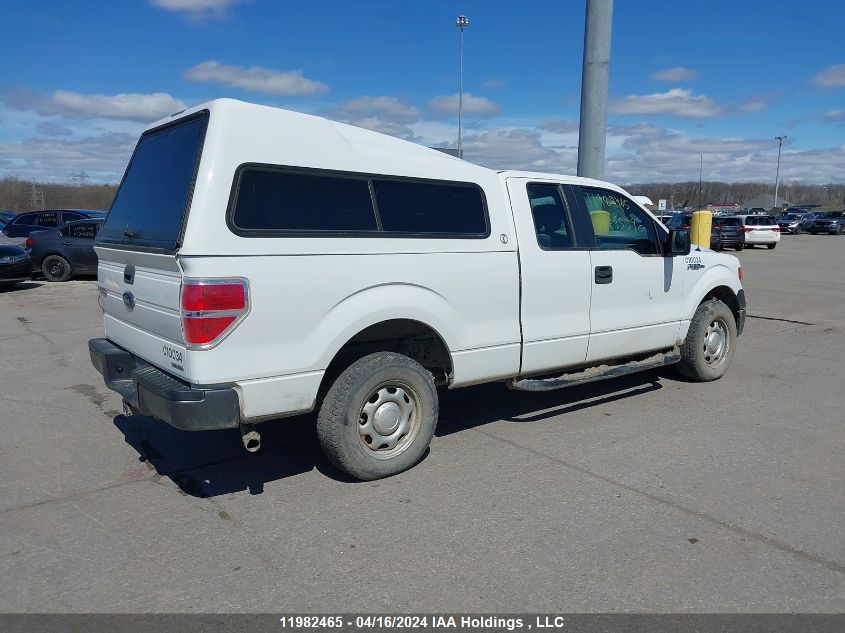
25,223
832,222
724,232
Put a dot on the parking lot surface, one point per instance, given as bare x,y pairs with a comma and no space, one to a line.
640,494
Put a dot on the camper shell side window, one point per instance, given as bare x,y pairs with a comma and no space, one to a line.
278,201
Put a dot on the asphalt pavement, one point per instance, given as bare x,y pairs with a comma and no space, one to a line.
645,493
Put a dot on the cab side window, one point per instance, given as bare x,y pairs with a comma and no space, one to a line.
551,222
618,223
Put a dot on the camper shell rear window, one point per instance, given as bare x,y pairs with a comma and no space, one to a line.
268,201
151,205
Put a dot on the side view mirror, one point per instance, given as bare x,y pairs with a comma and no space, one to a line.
677,242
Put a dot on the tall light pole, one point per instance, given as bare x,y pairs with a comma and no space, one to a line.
779,139
592,134
462,22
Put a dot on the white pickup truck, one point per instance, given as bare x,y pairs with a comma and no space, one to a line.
259,263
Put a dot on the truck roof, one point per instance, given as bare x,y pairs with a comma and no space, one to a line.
302,139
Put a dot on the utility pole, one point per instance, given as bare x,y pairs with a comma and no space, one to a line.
700,170
779,139
462,22
592,134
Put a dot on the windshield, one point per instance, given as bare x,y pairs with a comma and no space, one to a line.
833,215
792,216
730,222
152,200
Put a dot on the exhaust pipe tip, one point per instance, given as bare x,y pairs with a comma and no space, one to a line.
251,439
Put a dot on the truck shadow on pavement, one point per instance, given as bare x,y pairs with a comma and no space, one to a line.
213,463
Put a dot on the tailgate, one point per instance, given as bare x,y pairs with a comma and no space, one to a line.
139,294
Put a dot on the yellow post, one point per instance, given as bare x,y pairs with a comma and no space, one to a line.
700,228
601,222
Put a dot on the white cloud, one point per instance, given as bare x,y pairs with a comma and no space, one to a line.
384,114
831,77
125,106
386,108
495,84
447,105
678,102
51,128
197,8
256,78
102,157
560,126
678,73
516,149
753,105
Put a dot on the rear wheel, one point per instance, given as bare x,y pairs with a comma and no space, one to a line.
708,349
771,247
379,416
739,247
56,268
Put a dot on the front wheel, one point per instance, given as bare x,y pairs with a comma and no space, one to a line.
739,247
56,268
708,349
379,416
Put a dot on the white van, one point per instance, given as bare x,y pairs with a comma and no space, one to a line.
259,263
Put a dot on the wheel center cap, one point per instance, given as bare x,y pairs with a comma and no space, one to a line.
714,341
386,419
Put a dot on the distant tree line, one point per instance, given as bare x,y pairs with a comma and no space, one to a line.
687,193
22,195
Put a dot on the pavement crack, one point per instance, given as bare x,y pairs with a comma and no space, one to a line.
756,316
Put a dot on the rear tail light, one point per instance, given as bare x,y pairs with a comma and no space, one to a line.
29,242
739,273
776,229
684,227
212,308
747,229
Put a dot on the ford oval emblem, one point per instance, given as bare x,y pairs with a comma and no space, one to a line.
129,301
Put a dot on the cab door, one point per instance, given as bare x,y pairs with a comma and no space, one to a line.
637,293
555,272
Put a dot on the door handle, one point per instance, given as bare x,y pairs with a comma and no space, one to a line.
66,243
604,274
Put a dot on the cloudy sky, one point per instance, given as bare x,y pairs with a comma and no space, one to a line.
81,79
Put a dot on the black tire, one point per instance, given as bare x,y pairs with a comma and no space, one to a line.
342,419
739,247
695,352
797,230
56,268
771,247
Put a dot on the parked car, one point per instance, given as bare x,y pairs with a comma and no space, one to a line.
760,229
14,265
806,221
731,233
327,266
68,250
25,223
832,222
791,222
724,232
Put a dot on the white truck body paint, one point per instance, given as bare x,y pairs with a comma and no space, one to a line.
502,306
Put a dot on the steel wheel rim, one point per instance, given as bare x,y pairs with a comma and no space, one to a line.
389,420
716,342
57,269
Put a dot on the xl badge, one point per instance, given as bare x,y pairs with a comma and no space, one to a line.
129,301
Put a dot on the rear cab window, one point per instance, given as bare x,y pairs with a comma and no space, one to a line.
152,202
